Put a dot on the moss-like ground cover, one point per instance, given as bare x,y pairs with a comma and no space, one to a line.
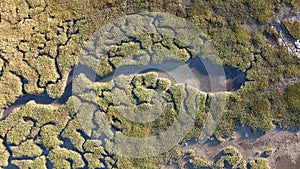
41,39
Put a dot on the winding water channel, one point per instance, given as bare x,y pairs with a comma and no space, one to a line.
234,80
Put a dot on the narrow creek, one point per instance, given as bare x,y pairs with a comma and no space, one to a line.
234,80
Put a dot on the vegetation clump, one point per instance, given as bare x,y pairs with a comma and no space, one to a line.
10,89
293,27
293,99
268,152
259,163
231,156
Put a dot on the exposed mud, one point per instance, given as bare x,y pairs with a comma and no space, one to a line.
251,145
